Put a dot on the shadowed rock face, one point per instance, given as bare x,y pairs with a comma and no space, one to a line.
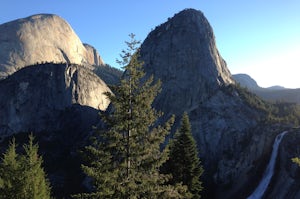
33,98
59,103
182,53
285,182
41,38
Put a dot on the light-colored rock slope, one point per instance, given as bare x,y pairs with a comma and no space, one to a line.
93,56
41,38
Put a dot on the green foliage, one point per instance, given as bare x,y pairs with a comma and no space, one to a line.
250,98
285,112
108,74
10,171
184,163
296,160
124,161
22,176
278,112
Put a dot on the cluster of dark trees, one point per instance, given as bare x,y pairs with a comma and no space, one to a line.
22,175
125,161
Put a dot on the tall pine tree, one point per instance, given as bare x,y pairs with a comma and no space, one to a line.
36,184
11,185
125,161
184,163
22,176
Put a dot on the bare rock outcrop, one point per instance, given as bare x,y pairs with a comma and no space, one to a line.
93,56
41,38
35,97
182,53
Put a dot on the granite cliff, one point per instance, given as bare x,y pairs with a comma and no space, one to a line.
182,53
92,56
48,87
38,95
60,102
232,138
42,38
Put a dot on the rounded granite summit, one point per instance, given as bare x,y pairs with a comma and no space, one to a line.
182,53
39,38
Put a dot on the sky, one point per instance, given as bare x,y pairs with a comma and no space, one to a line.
259,38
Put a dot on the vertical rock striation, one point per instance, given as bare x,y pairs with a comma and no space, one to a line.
182,53
34,98
93,56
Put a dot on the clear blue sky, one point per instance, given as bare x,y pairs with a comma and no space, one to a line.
260,38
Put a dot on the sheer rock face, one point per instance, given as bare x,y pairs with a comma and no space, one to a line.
41,38
35,97
182,53
93,56
234,144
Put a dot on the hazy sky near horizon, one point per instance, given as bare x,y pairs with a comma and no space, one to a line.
259,38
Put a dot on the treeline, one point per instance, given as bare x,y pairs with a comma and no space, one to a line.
274,112
108,74
22,175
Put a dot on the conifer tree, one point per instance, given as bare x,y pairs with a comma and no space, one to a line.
184,163
36,184
22,176
10,174
125,161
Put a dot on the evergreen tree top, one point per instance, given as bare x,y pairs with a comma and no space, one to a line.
126,160
184,163
22,175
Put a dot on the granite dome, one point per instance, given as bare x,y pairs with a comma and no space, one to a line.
40,38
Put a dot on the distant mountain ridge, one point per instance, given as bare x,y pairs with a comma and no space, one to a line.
276,88
246,81
273,93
